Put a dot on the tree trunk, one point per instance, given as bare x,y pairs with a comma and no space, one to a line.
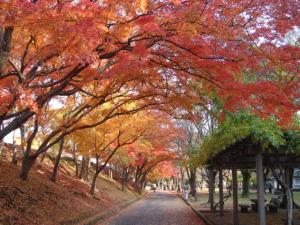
14,156
110,173
138,184
23,139
84,173
235,202
221,195
246,178
27,163
82,167
124,178
43,157
141,183
57,160
289,184
1,142
5,43
97,171
192,182
289,207
1,148
93,185
211,188
14,159
75,160
29,160
288,179
286,182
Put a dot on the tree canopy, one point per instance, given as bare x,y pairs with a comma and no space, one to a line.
92,71
244,127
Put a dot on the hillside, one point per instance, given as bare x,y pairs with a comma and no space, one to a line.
40,201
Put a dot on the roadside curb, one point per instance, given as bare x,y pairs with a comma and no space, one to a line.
97,217
199,214
114,211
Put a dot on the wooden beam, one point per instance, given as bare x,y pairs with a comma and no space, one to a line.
221,192
260,190
235,196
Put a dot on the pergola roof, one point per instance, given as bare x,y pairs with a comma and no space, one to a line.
243,156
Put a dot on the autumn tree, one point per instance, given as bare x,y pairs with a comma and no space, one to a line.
214,41
41,62
151,54
194,130
102,142
124,95
153,148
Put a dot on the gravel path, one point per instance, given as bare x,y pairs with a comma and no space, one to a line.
159,208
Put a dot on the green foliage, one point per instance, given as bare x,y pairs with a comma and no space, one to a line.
292,144
237,127
192,152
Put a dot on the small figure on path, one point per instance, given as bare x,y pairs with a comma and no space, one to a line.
153,187
186,189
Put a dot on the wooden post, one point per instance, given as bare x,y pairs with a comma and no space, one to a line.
211,188
260,189
235,196
221,192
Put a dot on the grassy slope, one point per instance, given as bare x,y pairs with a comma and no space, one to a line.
245,218
40,201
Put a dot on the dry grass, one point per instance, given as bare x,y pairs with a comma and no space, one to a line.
40,201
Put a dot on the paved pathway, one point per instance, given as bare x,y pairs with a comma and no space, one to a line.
159,208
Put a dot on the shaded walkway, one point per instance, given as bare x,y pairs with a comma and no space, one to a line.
160,208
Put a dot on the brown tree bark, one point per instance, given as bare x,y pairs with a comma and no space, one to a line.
14,159
23,139
211,188
84,172
181,177
288,173
192,181
5,43
124,178
57,160
75,160
14,156
284,177
1,148
245,183
97,171
27,163
28,160
93,185
1,141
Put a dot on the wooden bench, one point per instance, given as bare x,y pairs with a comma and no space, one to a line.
254,207
277,192
274,204
272,208
295,222
244,208
277,200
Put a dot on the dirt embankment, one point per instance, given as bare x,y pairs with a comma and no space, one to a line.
40,201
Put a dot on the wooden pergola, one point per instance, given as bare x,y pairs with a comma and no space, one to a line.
246,155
